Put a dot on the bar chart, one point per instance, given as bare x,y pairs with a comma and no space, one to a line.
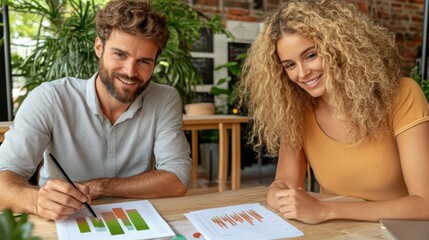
131,220
246,221
138,219
235,218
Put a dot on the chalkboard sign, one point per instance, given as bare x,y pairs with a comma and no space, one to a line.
205,42
258,4
235,49
205,67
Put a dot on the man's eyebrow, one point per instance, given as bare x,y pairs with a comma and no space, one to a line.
302,53
127,53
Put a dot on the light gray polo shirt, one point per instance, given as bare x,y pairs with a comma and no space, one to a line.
63,117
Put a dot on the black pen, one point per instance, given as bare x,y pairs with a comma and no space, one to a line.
69,180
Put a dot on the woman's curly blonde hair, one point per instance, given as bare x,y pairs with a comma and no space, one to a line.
361,68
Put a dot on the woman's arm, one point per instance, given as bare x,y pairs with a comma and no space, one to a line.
290,173
413,147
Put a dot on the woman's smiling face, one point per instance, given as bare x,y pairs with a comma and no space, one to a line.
302,63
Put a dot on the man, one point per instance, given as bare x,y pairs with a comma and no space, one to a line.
107,133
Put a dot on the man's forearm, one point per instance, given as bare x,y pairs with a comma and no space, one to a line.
16,193
153,184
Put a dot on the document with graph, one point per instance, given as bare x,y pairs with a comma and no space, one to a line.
126,220
247,221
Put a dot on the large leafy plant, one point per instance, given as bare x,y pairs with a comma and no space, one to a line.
65,37
63,45
15,227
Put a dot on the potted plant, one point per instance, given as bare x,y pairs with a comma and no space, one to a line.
65,37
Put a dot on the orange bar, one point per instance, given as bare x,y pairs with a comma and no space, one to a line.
255,215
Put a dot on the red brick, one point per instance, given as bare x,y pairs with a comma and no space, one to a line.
208,2
403,17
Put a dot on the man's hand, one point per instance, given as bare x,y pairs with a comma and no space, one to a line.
58,199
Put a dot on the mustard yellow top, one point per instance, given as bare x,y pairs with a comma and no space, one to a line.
370,170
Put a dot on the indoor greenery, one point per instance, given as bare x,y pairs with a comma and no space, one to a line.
184,23
65,37
63,45
15,227
1,39
234,70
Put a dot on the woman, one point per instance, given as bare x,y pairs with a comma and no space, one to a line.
322,83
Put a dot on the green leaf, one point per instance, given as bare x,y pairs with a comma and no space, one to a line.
15,227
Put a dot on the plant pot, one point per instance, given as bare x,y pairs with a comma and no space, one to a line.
198,109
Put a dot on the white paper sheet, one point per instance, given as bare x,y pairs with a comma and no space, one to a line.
247,221
126,220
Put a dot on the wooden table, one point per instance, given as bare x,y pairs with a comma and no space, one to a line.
4,127
222,123
172,209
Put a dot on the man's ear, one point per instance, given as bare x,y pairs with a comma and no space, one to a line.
98,47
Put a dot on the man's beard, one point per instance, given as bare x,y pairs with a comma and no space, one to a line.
127,96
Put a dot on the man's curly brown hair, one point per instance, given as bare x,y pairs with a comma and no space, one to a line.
135,17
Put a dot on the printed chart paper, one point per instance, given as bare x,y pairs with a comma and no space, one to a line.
126,220
247,221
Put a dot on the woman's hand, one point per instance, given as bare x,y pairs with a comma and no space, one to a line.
298,204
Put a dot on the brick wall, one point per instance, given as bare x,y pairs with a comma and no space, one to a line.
404,17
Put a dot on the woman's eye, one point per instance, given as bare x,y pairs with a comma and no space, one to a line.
311,56
288,66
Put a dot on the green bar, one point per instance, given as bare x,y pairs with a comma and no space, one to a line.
112,223
119,212
114,227
137,220
98,224
83,225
